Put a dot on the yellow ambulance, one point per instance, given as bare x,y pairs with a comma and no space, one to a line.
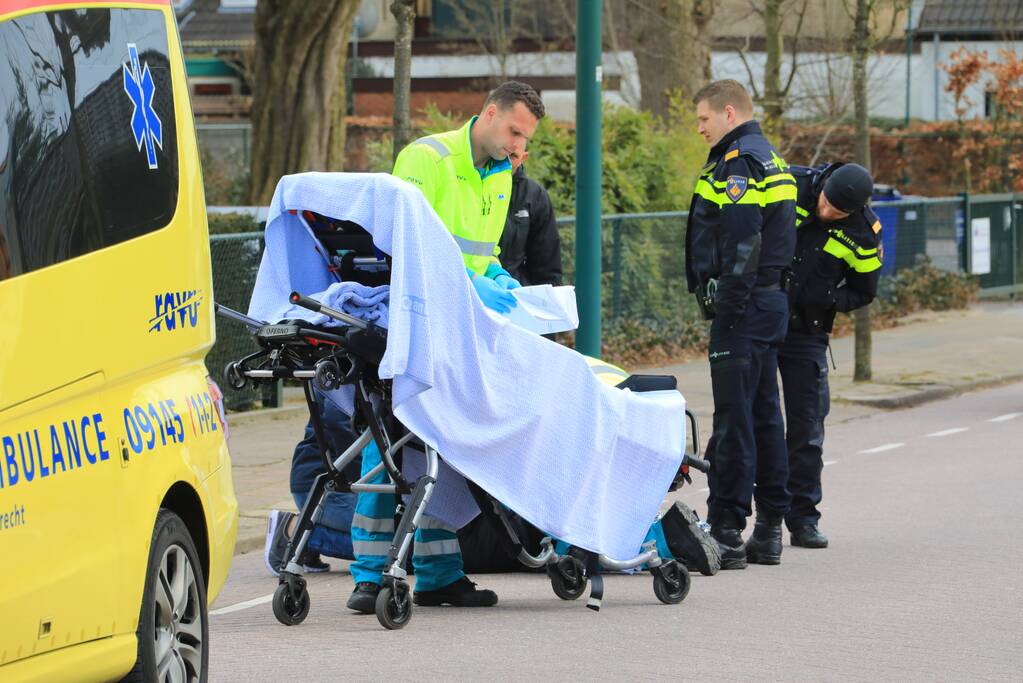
117,512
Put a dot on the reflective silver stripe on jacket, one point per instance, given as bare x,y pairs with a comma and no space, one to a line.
448,546
436,144
373,525
474,248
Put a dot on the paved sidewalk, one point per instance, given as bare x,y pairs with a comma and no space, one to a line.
929,356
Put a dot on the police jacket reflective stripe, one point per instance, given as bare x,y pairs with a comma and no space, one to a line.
472,202
837,265
740,229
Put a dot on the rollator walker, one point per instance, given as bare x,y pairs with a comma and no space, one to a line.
326,359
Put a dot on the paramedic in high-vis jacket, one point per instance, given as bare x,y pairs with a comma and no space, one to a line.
466,176
740,238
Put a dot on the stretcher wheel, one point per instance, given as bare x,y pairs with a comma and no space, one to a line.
671,583
394,606
568,578
234,377
289,609
328,375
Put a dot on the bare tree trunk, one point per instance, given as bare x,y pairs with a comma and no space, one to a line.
298,108
670,40
775,47
860,50
405,13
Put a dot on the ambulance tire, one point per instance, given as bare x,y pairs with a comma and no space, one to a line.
173,562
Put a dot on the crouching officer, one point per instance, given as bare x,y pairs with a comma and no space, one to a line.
739,239
836,268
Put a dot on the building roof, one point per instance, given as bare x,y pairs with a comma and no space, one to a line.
987,18
205,24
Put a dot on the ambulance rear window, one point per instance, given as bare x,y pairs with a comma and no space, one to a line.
88,146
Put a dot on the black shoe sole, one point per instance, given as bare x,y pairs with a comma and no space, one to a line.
753,558
734,563
363,604
440,601
813,546
698,549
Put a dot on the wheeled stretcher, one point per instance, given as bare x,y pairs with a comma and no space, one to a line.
346,356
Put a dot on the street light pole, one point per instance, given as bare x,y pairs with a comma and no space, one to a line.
588,76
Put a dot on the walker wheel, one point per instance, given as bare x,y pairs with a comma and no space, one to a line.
568,578
289,608
671,583
394,606
233,374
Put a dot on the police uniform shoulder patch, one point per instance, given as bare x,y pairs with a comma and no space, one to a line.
735,187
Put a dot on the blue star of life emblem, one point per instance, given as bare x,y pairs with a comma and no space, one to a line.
145,124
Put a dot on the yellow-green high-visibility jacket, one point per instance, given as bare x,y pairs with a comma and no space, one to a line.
472,202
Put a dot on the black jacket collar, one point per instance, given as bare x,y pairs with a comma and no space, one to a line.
743,129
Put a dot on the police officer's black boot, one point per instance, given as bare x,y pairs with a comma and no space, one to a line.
764,546
726,532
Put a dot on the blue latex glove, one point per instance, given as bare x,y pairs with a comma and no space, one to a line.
502,277
507,282
493,295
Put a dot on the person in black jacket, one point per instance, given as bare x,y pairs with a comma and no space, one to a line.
530,244
740,238
836,269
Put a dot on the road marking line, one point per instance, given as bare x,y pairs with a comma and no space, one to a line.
705,490
829,462
1003,418
885,447
946,432
243,605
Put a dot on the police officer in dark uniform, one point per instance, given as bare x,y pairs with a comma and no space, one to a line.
739,239
835,269
530,244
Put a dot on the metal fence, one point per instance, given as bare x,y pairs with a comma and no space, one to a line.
235,260
643,277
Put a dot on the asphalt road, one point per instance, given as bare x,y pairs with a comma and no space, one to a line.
922,582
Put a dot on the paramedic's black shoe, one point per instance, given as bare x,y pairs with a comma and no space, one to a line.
276,540
730,546
364,597
808,537
764,546
688,541
312,563
461,593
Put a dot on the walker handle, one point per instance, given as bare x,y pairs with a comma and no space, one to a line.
696,463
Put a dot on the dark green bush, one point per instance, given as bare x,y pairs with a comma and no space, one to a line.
231,223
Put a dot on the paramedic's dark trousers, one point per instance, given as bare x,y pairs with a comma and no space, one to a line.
804,375
747,448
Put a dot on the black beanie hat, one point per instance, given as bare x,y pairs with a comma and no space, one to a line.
849,187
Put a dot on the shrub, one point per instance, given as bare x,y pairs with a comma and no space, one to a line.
231,223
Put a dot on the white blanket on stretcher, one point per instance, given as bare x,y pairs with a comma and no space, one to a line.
522,416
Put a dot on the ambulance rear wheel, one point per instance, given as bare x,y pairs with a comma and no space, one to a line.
291,607
173,632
